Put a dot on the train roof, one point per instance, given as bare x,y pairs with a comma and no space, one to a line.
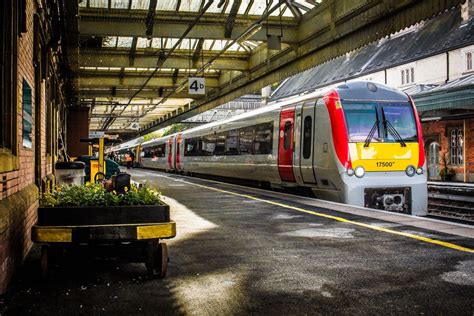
367,90
356,90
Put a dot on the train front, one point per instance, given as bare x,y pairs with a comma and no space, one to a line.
379,145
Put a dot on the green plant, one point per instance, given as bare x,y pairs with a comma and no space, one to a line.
96,195
446,173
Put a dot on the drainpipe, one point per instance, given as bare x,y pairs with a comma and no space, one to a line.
447,67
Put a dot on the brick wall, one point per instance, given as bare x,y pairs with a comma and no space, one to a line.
18,191
438,131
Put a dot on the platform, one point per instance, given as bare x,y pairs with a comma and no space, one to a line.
244,250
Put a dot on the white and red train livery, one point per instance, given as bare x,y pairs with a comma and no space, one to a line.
359,143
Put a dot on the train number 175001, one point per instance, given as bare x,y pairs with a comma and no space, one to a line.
385,164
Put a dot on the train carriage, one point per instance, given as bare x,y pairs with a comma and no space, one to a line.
359,143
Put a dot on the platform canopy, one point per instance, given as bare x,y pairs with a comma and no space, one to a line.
136,56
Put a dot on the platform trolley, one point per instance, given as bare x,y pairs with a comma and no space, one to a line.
130,233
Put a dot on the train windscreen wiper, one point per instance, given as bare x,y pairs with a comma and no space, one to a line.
371,133
393,131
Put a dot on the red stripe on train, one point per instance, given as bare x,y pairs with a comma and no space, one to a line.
338,127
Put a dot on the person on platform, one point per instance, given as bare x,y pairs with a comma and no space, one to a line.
128,159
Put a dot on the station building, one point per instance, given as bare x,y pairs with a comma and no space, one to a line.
33,111
37,83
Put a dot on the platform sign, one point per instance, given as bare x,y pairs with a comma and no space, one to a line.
196,85
96,134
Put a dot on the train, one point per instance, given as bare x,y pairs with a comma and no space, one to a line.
359,143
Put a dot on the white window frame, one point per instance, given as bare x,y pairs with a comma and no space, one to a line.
468,60
407,74
465,62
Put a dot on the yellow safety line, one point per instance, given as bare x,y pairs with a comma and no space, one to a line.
341,219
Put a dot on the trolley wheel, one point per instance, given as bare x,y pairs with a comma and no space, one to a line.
157,259
44,261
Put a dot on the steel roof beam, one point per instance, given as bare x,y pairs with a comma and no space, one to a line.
125,93
120,22
105,59
229,24
102,80
197,51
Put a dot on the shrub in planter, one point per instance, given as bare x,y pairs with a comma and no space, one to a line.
94,205
95,195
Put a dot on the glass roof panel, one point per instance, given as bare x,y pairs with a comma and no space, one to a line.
257,7
98,3
243,6
119,4
168,5
109,41
143,42
140,4
287,12
190,5
123,41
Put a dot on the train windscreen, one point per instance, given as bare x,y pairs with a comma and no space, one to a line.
380,122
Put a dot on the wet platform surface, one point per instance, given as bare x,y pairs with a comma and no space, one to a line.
245,251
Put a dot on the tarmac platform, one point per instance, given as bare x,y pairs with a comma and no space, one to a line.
243,250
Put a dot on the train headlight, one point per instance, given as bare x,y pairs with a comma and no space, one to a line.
410,171
419,170
350,172
359,172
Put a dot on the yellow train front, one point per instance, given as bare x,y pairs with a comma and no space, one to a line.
378,146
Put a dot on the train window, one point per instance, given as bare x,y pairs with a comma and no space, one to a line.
208,143
287,135
307,133
220,144
360,119
246,140
160,150
154,151
263,139
232,143
191,147
402,119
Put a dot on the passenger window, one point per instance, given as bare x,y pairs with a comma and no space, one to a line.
232,143
263,139
208,143
307,133
191,147
246,141
287,135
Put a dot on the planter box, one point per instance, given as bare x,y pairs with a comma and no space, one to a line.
104,215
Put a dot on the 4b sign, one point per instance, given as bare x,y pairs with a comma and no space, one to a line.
196,85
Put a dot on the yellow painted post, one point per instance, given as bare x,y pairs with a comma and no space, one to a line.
101,155
90,150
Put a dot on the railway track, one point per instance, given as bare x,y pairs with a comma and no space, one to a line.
450,201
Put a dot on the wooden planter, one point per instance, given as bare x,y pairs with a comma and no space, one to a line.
142,225
104,215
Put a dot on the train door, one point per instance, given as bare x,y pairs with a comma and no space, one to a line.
306,153
298,144
179,151
286,144
170,154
